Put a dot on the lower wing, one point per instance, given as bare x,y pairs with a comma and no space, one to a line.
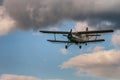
59,41
88,41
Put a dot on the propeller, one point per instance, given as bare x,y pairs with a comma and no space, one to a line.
70,34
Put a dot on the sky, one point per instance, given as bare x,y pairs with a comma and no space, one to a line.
26,55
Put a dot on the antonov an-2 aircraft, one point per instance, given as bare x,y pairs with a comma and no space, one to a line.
78,38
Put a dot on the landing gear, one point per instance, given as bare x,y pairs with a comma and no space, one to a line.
66,47
80,46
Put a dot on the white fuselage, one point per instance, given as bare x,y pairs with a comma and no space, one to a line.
78,39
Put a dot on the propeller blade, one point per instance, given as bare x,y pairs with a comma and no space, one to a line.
70,34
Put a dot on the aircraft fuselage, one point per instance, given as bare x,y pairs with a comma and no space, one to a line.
76,39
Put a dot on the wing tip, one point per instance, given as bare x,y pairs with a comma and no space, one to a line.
42,31
101,40
111,30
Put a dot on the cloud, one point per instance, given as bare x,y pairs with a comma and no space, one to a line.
81,26
1,2
116,38
7,24
100,64
38,14
16,77
21,77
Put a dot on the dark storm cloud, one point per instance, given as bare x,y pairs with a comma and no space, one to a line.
41,13
1,2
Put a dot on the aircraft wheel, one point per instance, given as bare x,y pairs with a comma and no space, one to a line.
66,47
80,47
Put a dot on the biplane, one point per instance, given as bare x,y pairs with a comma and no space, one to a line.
78,38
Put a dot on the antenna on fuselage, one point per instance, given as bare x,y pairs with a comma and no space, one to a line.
86,28
87,35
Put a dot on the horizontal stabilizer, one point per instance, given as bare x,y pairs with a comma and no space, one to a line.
93,35
99,40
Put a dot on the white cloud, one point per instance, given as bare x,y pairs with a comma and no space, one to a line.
21,77
100,64
81,26
116,38
7,24
17,77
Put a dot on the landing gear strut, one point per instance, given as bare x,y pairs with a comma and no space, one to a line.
68,45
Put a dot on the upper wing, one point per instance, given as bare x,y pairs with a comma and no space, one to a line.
87,41
55,32
81,32
95,31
